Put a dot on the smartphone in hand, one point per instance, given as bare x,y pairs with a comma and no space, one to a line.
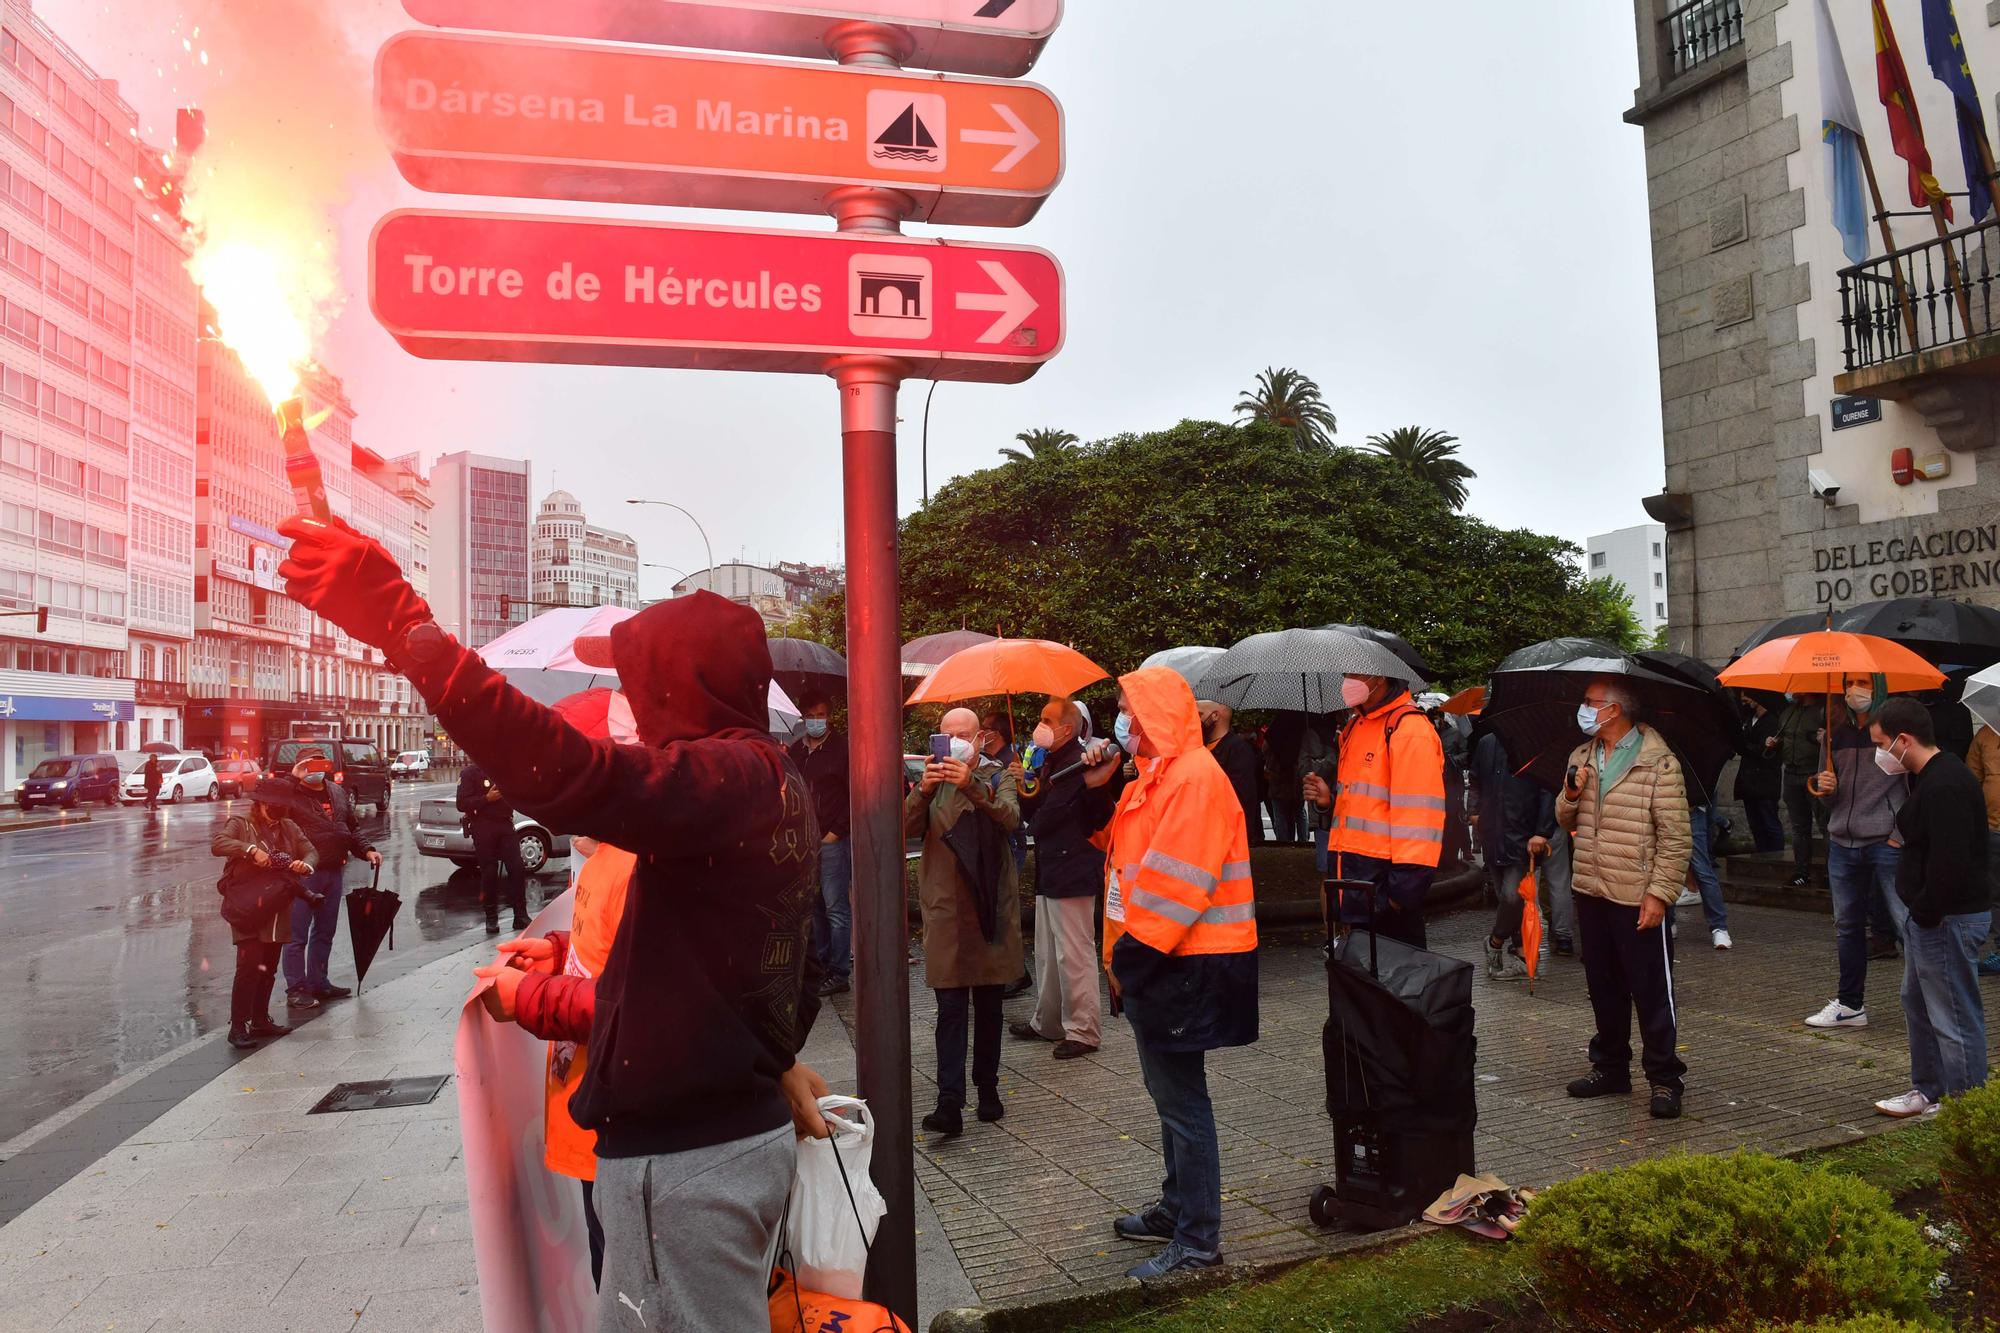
940,747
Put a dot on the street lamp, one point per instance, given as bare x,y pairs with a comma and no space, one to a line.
669,504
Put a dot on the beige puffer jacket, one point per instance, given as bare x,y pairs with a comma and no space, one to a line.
1633,839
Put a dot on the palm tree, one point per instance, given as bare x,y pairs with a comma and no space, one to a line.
1429,456
1041,440
1286,398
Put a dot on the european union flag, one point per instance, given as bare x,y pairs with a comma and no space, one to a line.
1944,48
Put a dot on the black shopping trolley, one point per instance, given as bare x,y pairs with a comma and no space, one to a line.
1399,1075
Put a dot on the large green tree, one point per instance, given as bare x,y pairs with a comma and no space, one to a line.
1428,456
1039,443
1206,533
1284,398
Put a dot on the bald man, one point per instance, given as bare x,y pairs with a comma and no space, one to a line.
1238,758
968,890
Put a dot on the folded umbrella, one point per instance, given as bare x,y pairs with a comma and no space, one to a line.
371,916
1008,667
979,844
1298,670
1531,926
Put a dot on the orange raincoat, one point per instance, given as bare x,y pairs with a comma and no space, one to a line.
1180,913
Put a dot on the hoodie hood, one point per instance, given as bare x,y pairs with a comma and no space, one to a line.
693,667
1161,699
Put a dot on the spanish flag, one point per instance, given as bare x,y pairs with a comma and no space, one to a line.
1906,125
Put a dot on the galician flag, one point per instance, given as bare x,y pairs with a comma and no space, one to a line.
1906,123
1840,130
1944,48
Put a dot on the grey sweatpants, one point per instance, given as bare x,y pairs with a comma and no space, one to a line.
687,1236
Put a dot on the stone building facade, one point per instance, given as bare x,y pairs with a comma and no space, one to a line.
1771,510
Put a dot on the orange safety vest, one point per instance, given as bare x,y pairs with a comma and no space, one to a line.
1390,804
1177,873
571,1150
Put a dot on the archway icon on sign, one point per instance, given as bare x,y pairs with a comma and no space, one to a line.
907,130
889,296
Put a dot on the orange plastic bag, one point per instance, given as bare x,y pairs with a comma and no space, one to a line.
796,1311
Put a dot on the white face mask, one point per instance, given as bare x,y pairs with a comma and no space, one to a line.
1859,697
1588,719
1045,736
1353,692
961,750
1886,760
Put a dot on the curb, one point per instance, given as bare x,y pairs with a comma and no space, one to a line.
60,821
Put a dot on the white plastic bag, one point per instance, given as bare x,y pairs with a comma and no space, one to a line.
835,1206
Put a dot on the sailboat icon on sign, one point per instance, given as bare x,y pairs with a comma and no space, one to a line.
906,139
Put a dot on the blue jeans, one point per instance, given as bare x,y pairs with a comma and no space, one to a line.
1701,824
833,912
312,933
1941,1006
1861,879
1191,1193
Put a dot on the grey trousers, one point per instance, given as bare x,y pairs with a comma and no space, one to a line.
1558,907
687,1236
1066,969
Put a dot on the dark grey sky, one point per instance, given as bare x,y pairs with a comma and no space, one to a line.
1432,208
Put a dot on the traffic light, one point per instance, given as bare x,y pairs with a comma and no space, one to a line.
41,620
506,609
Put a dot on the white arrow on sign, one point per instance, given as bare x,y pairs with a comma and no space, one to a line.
1012,302
1024,140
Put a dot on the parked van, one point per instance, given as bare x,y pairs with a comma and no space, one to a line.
66,780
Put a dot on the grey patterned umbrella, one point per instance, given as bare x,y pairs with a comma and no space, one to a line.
1297,669
1192,663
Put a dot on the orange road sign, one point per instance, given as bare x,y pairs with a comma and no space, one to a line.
564,120
994,37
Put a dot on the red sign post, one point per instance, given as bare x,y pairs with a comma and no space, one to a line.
480,287
997,37
562,120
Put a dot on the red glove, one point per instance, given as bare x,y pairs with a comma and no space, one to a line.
350,580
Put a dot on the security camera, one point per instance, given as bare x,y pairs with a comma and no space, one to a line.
1823,485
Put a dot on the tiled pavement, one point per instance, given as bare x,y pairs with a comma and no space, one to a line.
234,1210
1028,1202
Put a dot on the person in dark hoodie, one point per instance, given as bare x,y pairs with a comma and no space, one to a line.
1941,882
325,814
692,1083
489,821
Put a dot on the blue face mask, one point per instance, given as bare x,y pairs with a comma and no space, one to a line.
1586,718
815,727
1121,731
315,779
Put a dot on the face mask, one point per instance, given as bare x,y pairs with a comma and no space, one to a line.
1121,731
961,750
815,727
1860,697
1353,693
1045,736
1885,759
1587,719
315,779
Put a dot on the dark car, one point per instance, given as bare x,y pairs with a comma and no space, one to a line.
357,765
70,779
233,777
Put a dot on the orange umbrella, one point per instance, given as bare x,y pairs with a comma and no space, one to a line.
1008,666
1467,702
1819,662
1531,927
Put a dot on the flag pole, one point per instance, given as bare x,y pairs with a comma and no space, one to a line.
1952,274
1889,242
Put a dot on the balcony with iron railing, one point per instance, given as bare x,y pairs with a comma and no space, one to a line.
1697,31
1921,324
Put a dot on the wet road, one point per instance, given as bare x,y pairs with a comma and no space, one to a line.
113,949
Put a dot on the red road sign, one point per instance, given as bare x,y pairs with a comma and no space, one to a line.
996,37
482,287
567,120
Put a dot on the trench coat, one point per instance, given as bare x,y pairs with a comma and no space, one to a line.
956,952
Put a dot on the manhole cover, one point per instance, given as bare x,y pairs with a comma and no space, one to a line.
379,1094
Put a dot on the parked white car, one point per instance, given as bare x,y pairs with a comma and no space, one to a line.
411,764
182,777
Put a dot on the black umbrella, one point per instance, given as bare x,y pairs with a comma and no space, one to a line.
804,667
1550,651
1945,632
1533,711
1803,623
1395,643
371,915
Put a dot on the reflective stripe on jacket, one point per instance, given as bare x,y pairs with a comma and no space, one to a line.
1391,803
1178,870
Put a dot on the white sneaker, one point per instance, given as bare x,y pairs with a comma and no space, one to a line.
1721,939
1909,1104
1688,898
1838,1015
